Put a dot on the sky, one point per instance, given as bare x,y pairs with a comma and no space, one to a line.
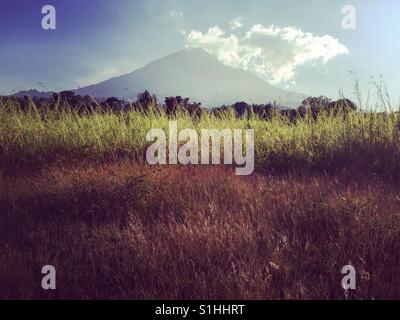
300,46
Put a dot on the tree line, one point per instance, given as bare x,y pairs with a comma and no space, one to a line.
147,102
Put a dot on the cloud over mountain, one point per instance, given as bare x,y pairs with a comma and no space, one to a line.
273,53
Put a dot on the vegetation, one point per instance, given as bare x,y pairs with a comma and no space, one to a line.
75,193
326,138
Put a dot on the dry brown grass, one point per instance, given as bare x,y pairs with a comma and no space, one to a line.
120,230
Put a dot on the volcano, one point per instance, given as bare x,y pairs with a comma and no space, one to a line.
195,74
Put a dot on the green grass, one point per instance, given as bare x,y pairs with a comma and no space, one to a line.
367,141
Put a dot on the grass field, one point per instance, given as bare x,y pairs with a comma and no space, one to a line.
75,193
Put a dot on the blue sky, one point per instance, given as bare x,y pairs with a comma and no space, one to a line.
98,39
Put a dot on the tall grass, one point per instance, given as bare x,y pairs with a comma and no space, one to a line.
196,233
364,140
116,229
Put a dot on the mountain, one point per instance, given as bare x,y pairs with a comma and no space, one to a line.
195,74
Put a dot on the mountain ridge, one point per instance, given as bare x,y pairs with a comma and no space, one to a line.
191,73
195,74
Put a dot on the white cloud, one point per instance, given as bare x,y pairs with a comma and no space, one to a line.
176,13
273,53
236,23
